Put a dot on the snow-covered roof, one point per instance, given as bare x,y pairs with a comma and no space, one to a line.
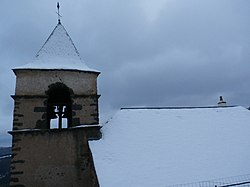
166,146
58,52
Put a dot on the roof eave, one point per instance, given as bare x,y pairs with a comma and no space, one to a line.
59,69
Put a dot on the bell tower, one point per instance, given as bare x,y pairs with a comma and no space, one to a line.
55,115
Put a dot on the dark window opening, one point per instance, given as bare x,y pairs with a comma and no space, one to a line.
59,106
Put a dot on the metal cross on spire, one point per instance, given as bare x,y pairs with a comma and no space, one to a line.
58,13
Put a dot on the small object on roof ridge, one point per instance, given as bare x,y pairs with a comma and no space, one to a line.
221,102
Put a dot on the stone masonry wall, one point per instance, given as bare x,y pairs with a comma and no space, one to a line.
85,110
36,82
31,99
44,157
52,158
30,113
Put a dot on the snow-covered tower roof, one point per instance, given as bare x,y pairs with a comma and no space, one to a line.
58,52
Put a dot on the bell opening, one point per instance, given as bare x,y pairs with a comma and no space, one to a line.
59,107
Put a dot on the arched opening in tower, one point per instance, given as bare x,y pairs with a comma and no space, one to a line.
59,106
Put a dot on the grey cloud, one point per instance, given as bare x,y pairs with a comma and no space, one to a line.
150,53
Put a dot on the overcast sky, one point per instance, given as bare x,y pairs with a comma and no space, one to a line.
149,52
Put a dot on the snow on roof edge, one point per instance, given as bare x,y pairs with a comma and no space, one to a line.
57,69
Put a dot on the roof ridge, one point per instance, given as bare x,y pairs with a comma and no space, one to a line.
177,107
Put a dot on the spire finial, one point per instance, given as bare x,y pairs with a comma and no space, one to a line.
58,13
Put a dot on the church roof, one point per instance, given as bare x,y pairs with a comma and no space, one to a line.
165,146
58,52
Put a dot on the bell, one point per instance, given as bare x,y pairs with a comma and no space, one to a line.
67,112
51,112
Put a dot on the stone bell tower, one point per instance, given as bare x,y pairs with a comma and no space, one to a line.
55,115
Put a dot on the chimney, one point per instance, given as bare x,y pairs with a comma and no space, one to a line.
222,103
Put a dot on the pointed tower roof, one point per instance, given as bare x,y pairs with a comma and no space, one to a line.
58,52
